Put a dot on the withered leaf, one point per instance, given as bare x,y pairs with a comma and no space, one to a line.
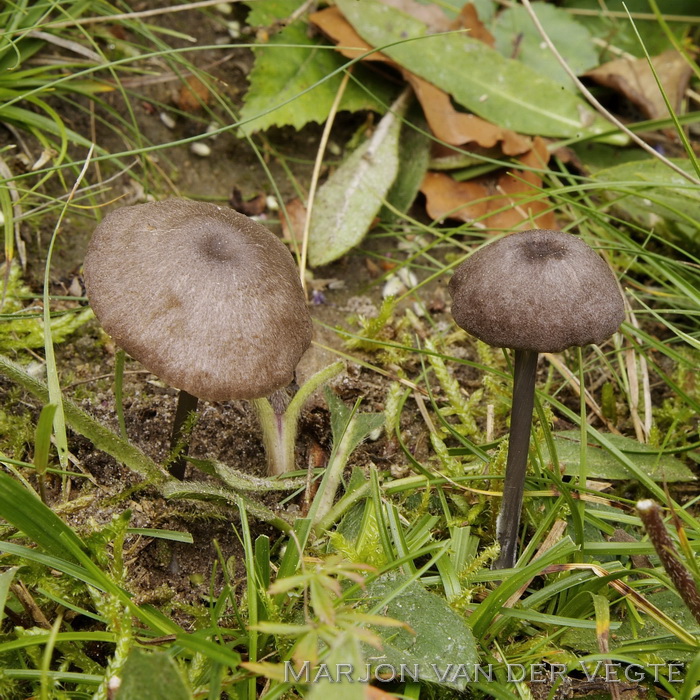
511,201
634,79
469,19
294,221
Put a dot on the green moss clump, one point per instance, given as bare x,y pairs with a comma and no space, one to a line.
22,325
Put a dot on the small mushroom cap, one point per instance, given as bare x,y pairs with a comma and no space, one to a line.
537,290
205,298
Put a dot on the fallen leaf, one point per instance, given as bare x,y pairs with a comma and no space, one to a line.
295,220
374,693
634,79
468,18
511,202
193,95
446,198
253,206
446,123
348,202
460,128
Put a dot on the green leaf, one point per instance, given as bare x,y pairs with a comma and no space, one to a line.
28,514
289,84
441,643
42,437
263,14
651,194
514,31
151,676
477,76
5,581
414,157
351,198
344,659
349,425
602,465
619,31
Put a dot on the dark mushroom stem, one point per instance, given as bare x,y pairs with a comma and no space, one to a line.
508,523
186,404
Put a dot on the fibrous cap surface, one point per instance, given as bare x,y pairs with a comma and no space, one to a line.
537,290
204,297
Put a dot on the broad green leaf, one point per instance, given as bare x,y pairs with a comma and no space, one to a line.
288,85
602,465
151,676
341,672
352,427
612,24
505,92
414,157
441,644
265,14
348,202
654,195
515,31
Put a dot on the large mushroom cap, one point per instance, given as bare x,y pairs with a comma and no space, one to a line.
537,290
202,296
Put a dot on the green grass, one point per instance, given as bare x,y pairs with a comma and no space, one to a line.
406,546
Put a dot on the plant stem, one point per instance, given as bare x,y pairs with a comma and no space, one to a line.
186,404
508,522
279,431
279,420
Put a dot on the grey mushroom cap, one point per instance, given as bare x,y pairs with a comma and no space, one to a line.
537,290
205,298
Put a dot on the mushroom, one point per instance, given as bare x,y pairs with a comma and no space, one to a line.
532,291
205,298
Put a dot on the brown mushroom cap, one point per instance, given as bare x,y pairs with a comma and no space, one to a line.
205,298
537,290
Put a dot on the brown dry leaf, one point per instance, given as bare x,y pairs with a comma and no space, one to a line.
254,206
445,198
460,128
350,44
446,123
634,79
296,216
469,19
504,204
193,94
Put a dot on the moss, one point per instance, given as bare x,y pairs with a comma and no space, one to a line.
23,327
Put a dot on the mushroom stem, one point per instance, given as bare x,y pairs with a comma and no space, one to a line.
186,404
508,523
279,430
